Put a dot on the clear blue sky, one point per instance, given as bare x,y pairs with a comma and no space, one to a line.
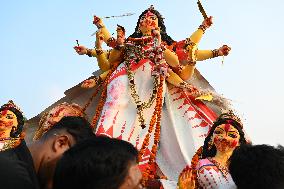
38,62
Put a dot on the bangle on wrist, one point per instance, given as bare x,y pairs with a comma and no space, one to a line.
202,27
215,53
99,52
99,26
89,52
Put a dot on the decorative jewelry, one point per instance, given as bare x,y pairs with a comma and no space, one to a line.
11,104
111,42
210,143
231,115
89,52
99,52
215,53
10,143
135,52
119,47
203,28
224,170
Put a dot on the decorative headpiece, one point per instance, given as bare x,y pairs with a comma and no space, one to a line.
45,126
231,115
151,8
11,104
16,135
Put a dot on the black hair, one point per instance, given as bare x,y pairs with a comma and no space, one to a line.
77,126
99,163
165,37
258,166
20,119
210,151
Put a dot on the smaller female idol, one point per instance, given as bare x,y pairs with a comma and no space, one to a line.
209,166
11,126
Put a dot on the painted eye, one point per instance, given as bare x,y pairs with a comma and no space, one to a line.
233,135
153,17
217,132
9,117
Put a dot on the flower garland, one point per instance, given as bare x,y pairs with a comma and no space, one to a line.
156,119
103,96
135,51
92,98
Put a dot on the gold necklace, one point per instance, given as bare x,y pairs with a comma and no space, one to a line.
224,169
10,143
136,51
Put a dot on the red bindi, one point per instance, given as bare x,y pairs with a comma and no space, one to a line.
227,127
4,112
148,14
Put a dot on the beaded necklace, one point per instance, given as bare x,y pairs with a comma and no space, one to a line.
224,169
135,51
10,143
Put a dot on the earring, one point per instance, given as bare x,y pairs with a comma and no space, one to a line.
210,144
138,31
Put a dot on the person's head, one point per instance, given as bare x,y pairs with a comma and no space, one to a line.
258,166
56,114
59,138
225,135
148,20
99,163
11,119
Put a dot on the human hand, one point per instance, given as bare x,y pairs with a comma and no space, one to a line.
98,22
186,180
89,83
81,50
224,50
208,22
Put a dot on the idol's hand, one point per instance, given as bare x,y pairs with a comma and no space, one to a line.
81,50
224,50
89,83
99,39
186,180
98,22
156,33
208,22
120,36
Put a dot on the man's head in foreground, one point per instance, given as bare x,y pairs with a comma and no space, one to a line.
99,163
48,149
258,166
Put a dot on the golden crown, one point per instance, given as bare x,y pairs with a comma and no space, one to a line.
11,104
231,115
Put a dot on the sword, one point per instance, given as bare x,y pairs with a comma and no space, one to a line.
127,14
201,9
117,16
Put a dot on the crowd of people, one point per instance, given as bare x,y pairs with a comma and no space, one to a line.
157,124
69,155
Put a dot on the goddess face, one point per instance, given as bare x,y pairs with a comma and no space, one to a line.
226,137
58,112
148,22
7,120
